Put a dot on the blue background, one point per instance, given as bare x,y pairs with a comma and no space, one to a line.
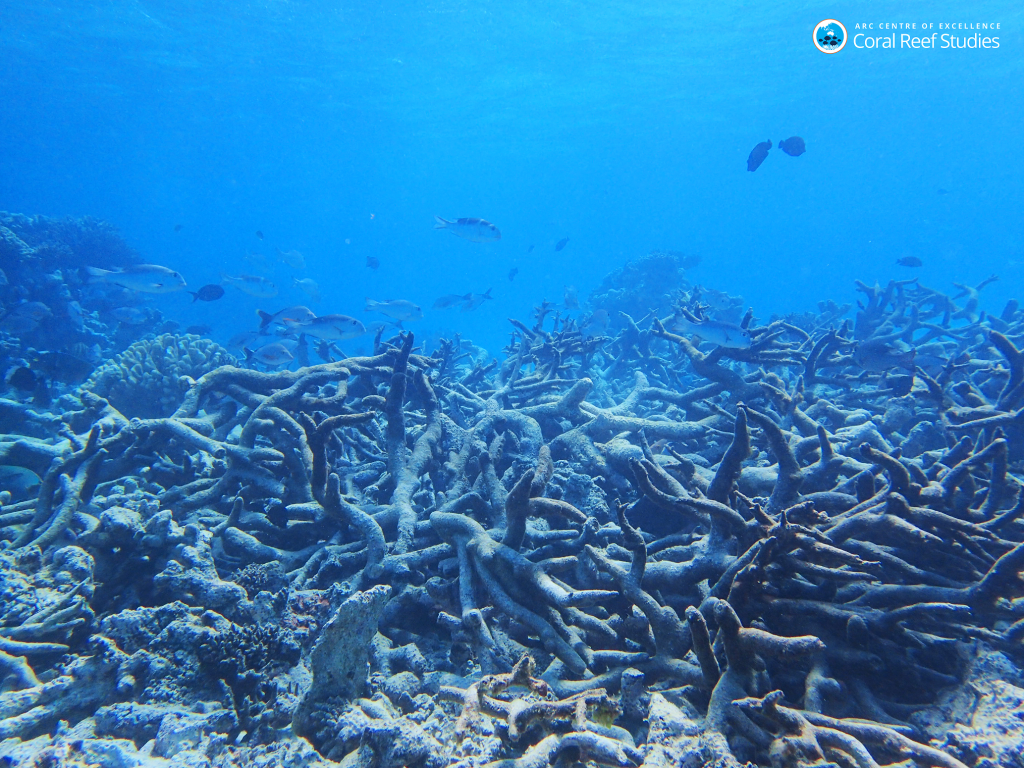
624,126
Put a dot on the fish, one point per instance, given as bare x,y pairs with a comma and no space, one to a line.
207,293
793,146
596,324
271,354
758,154
3,278
243,340
910,261
292,258
476,299
334,328
719,300
474,230
530,250
452,298
22,378
878,356
561,243
571,297
723,334
308,286
199,330
290,317
396,309
145,278
513,272
63,366
130,315
260,287
178,227
20,482
372,262
259,234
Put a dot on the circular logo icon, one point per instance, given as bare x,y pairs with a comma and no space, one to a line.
830,36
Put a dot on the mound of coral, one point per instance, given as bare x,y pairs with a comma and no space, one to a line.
143,381
620,551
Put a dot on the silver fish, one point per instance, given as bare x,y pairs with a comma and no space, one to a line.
476,299
334,328
289,317
260,287
146,278
308,286
452,298
723,334
474,230
129,315
271,354
571,297
396,309
293,259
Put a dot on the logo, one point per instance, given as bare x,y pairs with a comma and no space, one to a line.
830,36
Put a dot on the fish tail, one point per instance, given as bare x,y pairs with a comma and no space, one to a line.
96,275
195,296
441,223
265,318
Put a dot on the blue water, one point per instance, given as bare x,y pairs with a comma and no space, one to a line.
341,129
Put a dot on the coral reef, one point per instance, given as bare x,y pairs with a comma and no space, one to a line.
143,381
640,549
643,286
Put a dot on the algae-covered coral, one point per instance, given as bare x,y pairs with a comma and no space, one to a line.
639,549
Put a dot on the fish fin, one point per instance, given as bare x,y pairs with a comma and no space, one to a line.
265,318
195,296
441,223
487,294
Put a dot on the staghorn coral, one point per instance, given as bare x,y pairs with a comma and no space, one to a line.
143,381
761,550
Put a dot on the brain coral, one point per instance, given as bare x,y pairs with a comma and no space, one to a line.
143,380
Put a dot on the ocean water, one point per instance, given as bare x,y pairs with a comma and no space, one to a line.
604,545
341,129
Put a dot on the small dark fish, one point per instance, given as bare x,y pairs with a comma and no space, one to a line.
793,146
514,271
561,243
758,154
178,227
530,249
63,366
910,261
198,330
942,191
372,262
22,379
259,234
207,293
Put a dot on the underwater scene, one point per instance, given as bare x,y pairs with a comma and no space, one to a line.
463,384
